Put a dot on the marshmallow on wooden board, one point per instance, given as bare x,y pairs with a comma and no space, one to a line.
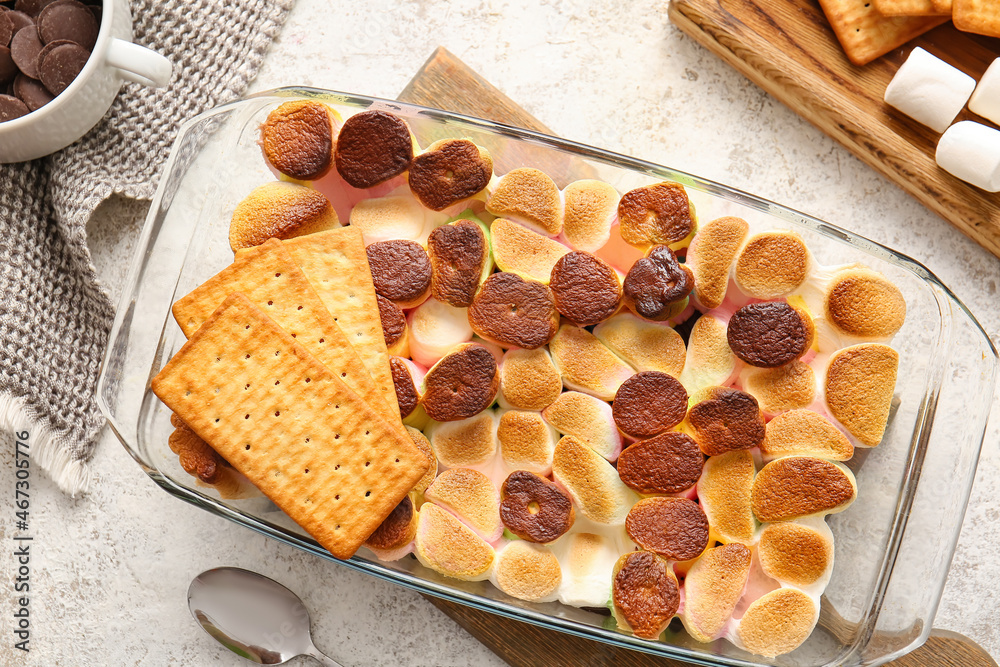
971,151
986,100
929,90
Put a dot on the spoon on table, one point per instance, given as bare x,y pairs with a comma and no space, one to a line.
253,616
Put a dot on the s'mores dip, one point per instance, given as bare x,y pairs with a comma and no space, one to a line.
579,395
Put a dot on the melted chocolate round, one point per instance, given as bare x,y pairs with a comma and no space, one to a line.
462,384
514,311
768,334
393,320
668,463
586,289
533,508
645,593
727,421
453,171
655,282
648,403
458,252
675,528
372,147
406,392
396,529
401,270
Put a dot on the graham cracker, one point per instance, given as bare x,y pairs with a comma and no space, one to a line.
865,34
271,279
942,6
290,425
981,17
907,8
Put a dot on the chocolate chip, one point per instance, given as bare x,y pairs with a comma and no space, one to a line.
767,334
24,49
19,19
31,7
68,20
31,92
6,28
11,108
61,65
8,70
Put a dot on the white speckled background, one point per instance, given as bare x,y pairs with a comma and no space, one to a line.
110,571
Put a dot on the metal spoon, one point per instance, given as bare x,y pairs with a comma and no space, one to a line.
253,616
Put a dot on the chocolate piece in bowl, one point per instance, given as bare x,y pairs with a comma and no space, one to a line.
772,264
19,20
527,442
32,92
534,508
711,255
449,547
528,379
512,311
796,553
860,381
529,197
7,29
675,528
407,395
590,208
527,572
712,588
724,493
805,433
645,594
24,49
799,486
58,64
11,107
68,20
449,171
460,257
467,443
586,289
648,403
519,250
777,622
298,139
586,364
401,271
592,482
471,496
32,7
647,346
770,334
394,330
587,418
372,147
656,283
462,384
787,387
279,210
667,463
656,214
861,302
723,419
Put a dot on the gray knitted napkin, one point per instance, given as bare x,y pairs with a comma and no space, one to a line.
54,315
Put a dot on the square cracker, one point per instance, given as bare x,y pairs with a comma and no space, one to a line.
981,17
865,34
290,425
907,8
271,279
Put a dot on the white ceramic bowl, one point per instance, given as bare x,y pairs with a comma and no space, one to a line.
82,105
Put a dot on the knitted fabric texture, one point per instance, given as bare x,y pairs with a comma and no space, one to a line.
54,315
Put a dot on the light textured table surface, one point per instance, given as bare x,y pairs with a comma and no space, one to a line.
110,570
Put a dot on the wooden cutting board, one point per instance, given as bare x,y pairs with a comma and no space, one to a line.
445,82
787,48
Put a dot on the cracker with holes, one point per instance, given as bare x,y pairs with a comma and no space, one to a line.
290,425
270,278
865,34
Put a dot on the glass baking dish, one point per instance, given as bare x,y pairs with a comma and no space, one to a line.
893,546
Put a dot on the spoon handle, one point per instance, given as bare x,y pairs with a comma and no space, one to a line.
322,658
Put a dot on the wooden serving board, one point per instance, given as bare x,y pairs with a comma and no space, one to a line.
445,82
787,48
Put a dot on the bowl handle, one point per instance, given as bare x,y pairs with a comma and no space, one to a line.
139,64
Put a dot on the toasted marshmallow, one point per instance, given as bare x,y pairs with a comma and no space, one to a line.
929,90
592,482
298,139
787,387
710,361
971,151
710,258
527,442
530,197
777,622
646,346
514,312
401,271
985,100
645,593
394,330
279,210
397,216
675,528
462,384
657,284
862,303
799,486
460,257
471,496
372,147
449,547
395,533
587,418
448,172
469,443
656,214
586,290
527,572
528,380
534,508
590,208
805,433
424,445
772,264
648,403
668,463
435,329
723,420
724,491
797,554
519,250
586,364
407,394
859,383
587,562
712,587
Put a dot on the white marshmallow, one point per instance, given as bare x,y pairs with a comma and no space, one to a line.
929,90
986,100
971,151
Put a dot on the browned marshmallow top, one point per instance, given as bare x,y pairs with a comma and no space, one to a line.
667,463
777,622
393,320
401,270
675,528
655,282
645,593
659,213
649,403
727,420
529,195
798,486
397,530
462,384
859,385
513,311
794,553
533,508
279,210
448,172
297,139
586,289
406,391
529,380
863,303
772,264
786,387
373,146
458,254
711,256
768,334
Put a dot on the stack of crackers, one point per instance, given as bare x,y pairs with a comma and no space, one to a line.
285,374
868,29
